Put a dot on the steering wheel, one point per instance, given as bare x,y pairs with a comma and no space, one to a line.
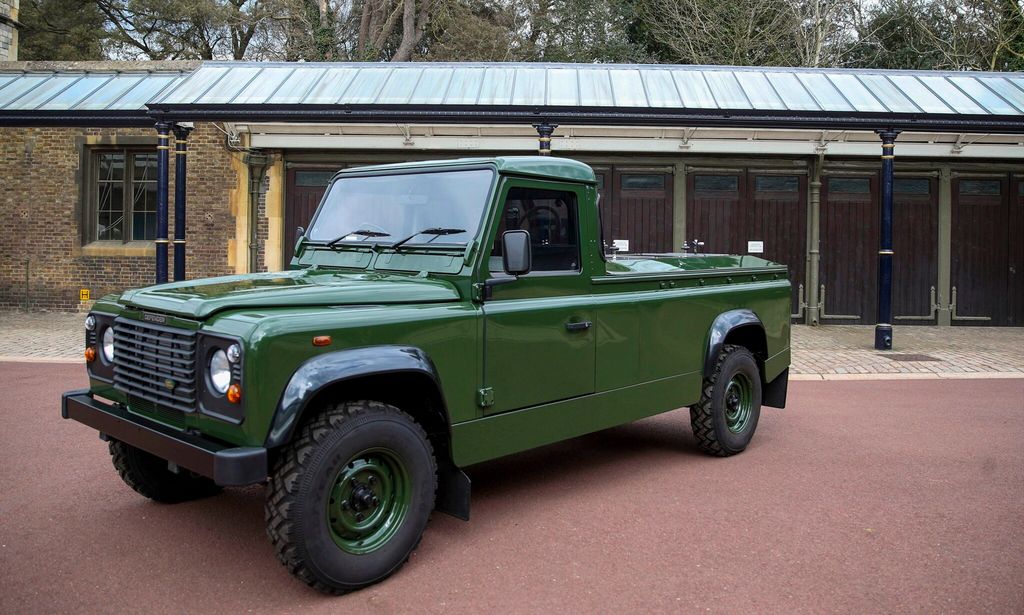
367,226
528,219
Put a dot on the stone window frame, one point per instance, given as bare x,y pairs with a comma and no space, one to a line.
89,148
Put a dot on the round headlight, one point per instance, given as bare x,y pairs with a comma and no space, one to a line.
108,344
90,322
234,353
220,372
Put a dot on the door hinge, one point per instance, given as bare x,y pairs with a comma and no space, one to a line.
485,397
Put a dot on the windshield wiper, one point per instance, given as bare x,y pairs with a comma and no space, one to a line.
360,233
436,232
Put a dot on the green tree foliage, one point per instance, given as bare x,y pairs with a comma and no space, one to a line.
533,31
900,34
942,34
60,30
578,31
472,30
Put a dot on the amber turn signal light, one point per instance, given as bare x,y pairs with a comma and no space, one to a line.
234,394
90,355
322,340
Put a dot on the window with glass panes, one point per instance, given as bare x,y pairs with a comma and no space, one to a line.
124,197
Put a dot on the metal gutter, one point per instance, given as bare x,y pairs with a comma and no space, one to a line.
607,116
78,119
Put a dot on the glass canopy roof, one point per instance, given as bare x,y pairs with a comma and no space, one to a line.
600,85
599,93
83,91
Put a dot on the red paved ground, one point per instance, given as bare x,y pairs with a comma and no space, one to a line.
861,497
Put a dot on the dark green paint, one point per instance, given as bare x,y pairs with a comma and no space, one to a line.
739,403
369,500
512,375
542,167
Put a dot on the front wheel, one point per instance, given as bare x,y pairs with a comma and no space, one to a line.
349,498
149,475
725,418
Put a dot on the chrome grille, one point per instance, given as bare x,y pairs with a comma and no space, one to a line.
148,359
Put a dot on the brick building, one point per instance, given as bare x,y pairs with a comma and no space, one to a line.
779,162
50,184
8,30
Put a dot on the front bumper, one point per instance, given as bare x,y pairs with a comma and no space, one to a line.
226,465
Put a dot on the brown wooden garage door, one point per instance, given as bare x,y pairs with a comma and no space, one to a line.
778,219
305,189
915,268
849,248
981,250
1016,240
636,206
751,212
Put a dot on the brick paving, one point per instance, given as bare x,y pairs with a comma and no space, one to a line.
41,336
832,352
846,352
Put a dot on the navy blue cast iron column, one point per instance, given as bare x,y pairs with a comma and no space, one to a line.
163,148
883,328
544,132
180,152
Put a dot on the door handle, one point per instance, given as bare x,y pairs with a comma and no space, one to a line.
578,326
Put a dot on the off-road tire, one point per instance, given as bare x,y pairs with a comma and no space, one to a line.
149,475
300,489
708,417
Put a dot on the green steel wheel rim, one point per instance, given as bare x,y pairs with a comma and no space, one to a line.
369,500
739,403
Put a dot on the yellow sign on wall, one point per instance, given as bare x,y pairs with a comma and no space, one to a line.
83,295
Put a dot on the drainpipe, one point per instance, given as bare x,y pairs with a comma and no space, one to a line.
814,240
180,151
883,328
257,163
945,245
162,155
544,132
28,284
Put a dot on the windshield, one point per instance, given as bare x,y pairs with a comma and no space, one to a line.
437,208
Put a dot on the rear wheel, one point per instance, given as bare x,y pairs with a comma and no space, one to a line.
349,498
149,475
725,418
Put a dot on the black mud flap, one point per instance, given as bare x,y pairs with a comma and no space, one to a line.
774,393
453,489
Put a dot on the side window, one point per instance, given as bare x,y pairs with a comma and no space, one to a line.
551,218
121,196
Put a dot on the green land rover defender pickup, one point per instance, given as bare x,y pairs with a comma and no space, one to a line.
435,315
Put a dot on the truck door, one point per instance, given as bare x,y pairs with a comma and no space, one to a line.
539,335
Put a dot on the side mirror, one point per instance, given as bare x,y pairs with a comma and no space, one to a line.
517,258
300,234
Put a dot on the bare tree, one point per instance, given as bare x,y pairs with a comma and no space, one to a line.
822,29
378,25
756,32
358,30
169,29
